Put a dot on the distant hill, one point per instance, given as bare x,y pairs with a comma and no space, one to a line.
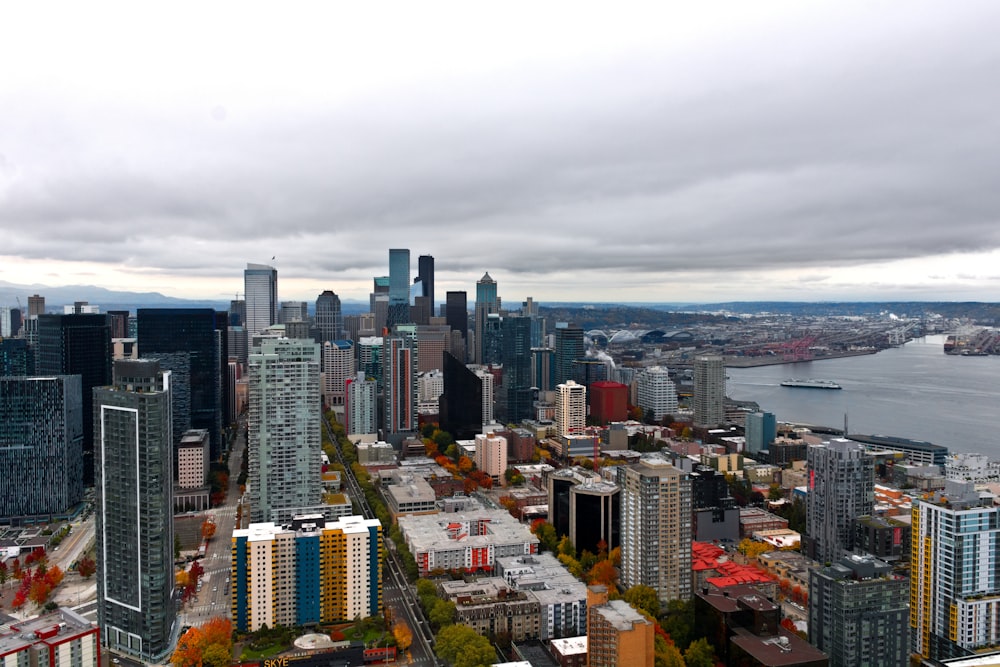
56,297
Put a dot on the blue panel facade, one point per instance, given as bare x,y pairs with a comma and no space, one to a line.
307,580
240,582
373,549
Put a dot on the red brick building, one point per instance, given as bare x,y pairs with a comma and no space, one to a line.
608,402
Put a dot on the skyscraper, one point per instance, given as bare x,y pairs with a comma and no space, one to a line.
571,408
329,321
456,314
569,348
186,342
657,395
841,487
338,367
761,430
656,528
399,287
858,613
516,346
260,286
425,272
134,508
36,305
487,302
41,441
399,373
461,404
361,405
78,345
955,573
709,390
285,475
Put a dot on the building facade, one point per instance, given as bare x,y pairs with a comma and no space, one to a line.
361,405
134,509
841,487
656,393
338,367
399,370
761,430
399,288
571,408
487,303
709,390
491,455
329,321
260,287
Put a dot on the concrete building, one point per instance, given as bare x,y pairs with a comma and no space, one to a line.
858,613
955,573
134,510
361,405
562,598
430,386
56,638
571,408
841,487
399,364
41,446
338,367
192,491
309,571
761,430
617,634
410,494
709,390
490,607
885,537
608,402
656,393
656,528
284,428
491,455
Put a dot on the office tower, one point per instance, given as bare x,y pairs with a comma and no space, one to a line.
238,312
284,428
310,571
585,507
16,357
370,358
260,287
328,317
379,303
186,343
399,375
487,302
529,309
118,321
399,287
571,408
456,313
715,514
233,404
36,305
77,345
608,402
239,344
338,367
569,348
761,430
134,507
491,341
955,573
292,311
433,340
222,340
656,393
10,321
425,273
656,528
543,368
191,494
517,384
41,445
858,613
709,390
361,405
617,634
841,487
460,410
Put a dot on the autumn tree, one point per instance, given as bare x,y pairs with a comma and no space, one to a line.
207,530
4,574
752,548
54,576
644,598
603,572
210,645
699,654
182,578
404,636
666,654
461,646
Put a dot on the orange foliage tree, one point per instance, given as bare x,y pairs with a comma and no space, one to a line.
404,636
207,530
210,645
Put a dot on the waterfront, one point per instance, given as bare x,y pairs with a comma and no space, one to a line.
914,391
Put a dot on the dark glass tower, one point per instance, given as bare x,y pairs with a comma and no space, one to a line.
487,303
328,318
516,345
399,287
187,343
78,345
456,313
569,348
461,404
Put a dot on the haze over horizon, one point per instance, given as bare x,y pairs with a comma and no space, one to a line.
763,151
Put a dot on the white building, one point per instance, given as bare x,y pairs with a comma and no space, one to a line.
657,394
571,408
361,405
338,367
430,386
709,390
491,455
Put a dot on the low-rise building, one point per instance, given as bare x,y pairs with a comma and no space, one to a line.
409,494
61,637
561,596
490,607
754,519
617,634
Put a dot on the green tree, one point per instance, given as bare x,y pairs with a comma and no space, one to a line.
566,547
643,598
443,439
666,654
774,492
678,622
443,614
699,654
546,534
461,646
216,656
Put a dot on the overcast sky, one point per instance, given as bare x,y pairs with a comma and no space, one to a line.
667,152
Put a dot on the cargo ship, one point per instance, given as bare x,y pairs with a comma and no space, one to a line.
811,384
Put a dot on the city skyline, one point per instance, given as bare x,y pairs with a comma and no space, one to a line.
833,151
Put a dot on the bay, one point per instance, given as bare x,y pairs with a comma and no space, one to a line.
913,391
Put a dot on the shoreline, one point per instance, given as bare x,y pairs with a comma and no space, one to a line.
753,362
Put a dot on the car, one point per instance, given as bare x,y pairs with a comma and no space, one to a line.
116,661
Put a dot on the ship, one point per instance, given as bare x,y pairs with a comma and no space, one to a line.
811,384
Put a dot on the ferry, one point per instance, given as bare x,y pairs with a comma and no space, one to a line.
811,384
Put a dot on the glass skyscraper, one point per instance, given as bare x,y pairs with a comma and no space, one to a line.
399,287
260,286
487,303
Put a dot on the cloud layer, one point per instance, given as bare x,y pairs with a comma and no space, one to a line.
834,151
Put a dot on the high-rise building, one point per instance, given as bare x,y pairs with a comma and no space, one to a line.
361,405
284,445
134,508
338,367
186,342
709,390
491,454
543,368
433,340
10,321
399,371
329,321
425,272
41,445
487,303
456,314
656,393
16,357
379,303
571,408
569,348
293,311
77,345
858,613
238,312
260,286
370,358
307,572
608,402
517,385
955,573
118,321
36,305
656,528
761,430
841,488
399,288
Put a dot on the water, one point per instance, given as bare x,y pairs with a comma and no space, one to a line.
914,391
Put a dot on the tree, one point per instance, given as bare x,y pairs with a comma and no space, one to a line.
699,654
216,656
86,567
566,547
207,530
3,573
643,598
54,576
464,465
443,614
678,622
546,534
774,492
177,546
752,548
666,654
404,636
39,593
181,579
461,646
210,645
603,572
